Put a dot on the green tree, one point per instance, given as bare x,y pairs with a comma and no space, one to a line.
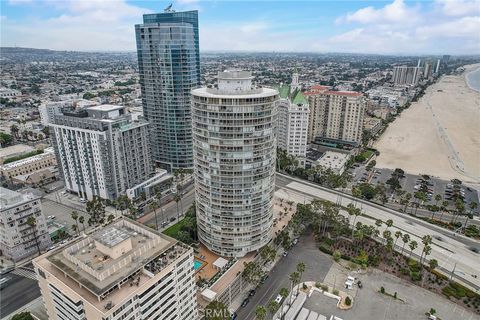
5,139
252,273
23,316
81,219
74,216
300,269
268,254
398,234
405,240
412,245
433,263
96,209
273,307
32,222
14,130
294,280
177,197
260,312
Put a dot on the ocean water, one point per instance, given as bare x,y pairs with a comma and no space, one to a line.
473,79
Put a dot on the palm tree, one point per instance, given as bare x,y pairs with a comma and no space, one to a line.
389,223
473,205
378,223
154,206
177,199
81,219
260,312
408,196
32,222
426,251
75,217
14,130
75,228
405,240
412,245
294,279
398,234
284,295
386,235
272,307
110,218
300,270
443,208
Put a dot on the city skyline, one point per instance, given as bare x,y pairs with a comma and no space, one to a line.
385,27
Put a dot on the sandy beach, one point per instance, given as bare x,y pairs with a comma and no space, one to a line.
438,135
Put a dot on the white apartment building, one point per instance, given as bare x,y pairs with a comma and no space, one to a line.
335,116
403,75
49,110
293,114
101,151
18,239
123,271
234,148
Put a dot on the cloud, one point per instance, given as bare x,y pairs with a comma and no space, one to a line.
395,12
397,27
459,7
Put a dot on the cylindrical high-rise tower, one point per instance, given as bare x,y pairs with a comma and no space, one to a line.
234,151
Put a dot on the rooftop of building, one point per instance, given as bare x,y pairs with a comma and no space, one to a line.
106,107
15,150
10,198
98,266
295,96
47,153
333,160
235,75
319,89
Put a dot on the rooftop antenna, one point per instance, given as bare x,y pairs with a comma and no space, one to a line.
169,8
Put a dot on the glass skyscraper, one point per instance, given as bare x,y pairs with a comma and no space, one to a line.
169,67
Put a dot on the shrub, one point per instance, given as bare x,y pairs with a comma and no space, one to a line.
324,249
348,301
382,289
318,284
335,292
404,271
304,286
395,295
337,255
324,288
415,276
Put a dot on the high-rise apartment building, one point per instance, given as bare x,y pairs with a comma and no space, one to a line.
293,114
336,117
403,75
48,110
123,271
101,151
169,66
18,238
234,153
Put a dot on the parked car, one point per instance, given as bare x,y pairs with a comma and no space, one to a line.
83,200
6,270
252,293
51,217
278,299
245,302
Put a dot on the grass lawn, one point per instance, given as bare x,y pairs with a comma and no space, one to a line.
173,230
367,154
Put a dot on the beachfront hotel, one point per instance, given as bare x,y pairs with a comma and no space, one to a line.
336,117
234,163
122,271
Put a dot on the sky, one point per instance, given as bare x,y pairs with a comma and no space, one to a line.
378,27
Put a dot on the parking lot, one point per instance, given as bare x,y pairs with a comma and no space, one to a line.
408,183
369,303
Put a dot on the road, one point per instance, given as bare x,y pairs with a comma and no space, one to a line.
19,291
169,210
450,250
317,266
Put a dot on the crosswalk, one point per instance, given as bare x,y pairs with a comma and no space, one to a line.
24,272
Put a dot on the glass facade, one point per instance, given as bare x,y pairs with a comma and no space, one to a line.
169,67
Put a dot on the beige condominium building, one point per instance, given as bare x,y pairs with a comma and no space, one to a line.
234,148
29,165
122,271
336,117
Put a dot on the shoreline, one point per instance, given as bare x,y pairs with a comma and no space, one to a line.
438,135
477,69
